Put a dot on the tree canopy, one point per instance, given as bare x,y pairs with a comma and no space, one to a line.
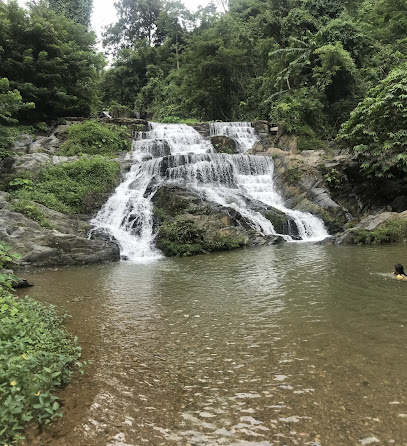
377,128
79,11
308,62
50,59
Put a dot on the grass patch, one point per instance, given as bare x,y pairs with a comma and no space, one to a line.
69,187
37,355
31,210
95,138
177,120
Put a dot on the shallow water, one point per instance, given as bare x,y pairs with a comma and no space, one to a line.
297,344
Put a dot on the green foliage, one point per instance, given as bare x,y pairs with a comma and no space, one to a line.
333,177
299,108
50,60
7,259
390,231
71,187
37,356
377,128
31,210
182,237
293,174
116,109
336,66
77,10
95,138
10,102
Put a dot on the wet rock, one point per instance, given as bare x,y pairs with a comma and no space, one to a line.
22,143
258,147
302,184
224,144
321,197
4,197
202,128
61,131
369,224
262,127
22,283
282,223
64,159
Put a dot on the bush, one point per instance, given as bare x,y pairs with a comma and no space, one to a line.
376,130
71,187
95,138
182,237
298,109
390,231
36,356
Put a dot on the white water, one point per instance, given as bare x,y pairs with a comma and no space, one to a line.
241,132
178,154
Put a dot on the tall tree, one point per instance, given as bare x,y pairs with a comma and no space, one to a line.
79,11
49,59
136,21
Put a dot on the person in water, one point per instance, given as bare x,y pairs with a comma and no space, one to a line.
399,272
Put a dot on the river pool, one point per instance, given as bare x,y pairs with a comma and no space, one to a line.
297,344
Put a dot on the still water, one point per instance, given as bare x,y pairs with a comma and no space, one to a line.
297,344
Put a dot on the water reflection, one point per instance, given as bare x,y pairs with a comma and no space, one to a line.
295,344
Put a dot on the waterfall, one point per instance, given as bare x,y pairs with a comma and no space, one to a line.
241,132
177,154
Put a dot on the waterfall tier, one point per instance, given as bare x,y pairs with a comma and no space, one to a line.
241,132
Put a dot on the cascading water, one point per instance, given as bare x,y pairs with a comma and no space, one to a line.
241,132
178,154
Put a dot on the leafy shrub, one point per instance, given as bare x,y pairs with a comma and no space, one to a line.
333,177
7,258
182,237
293,174
390,231
36,356
116,109
172,120
31,210
299,108
376,129
95,138
71,187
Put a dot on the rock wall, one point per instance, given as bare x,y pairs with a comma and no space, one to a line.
68,243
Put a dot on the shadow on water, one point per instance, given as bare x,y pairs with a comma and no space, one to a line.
283,345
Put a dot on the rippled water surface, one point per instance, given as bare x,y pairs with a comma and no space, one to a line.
298,344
